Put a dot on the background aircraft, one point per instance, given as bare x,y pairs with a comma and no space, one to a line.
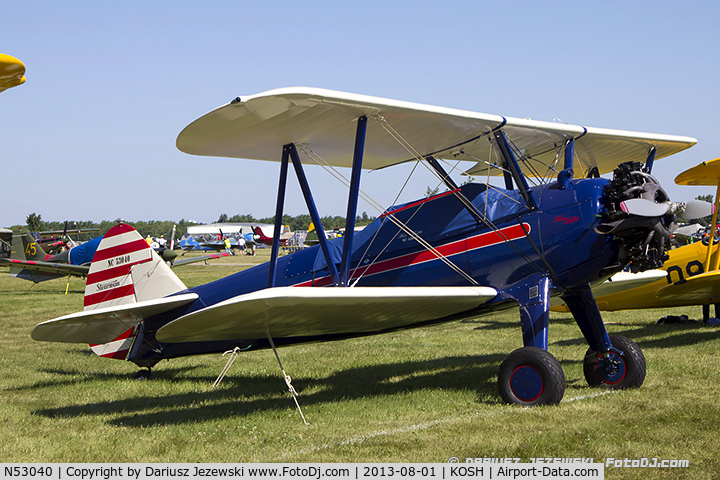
12,72
692,271
5,242
264,234
29,261
464,253
54,245
210,237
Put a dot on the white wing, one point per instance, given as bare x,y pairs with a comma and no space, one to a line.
309,311
257,126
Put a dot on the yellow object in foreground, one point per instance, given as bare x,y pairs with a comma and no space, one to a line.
12,72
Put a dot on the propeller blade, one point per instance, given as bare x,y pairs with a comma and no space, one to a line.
644,208
697,209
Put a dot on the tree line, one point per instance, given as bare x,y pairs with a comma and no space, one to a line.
155,228
299,222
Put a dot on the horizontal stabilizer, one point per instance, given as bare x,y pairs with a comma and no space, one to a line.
705,286
40,271
310,311
105,324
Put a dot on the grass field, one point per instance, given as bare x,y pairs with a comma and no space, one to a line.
423,395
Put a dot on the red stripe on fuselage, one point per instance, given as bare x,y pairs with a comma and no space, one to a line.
453,248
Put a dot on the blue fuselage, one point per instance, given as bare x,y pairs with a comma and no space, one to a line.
509,245
506,248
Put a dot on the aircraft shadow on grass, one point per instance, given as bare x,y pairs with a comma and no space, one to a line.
245,394
237,396
683,335
69,377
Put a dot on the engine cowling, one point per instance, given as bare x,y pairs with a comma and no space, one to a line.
643,241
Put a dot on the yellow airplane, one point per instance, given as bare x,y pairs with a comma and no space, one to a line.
693,270
12,72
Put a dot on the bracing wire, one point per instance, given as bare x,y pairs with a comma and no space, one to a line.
402,226
466,202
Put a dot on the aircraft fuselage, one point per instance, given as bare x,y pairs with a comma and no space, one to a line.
555,241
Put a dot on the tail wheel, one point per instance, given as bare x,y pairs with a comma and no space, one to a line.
616,371
531,376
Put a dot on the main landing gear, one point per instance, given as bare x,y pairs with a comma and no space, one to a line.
531,376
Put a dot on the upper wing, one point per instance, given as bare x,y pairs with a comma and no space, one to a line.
324,121
707,173
105,324
310,311
698,287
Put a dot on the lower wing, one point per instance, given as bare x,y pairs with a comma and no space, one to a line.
310,311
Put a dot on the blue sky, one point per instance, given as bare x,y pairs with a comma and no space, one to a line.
91,135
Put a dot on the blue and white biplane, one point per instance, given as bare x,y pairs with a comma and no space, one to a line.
467,252
212,237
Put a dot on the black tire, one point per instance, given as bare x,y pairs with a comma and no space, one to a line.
144,374
631,366
531,376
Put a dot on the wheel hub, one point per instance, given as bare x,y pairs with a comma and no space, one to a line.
611,367
526,383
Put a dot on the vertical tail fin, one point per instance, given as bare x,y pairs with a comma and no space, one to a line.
126,270
24,247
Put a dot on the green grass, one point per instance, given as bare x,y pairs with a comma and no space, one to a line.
422,395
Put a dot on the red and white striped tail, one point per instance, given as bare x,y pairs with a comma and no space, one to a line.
118,348
126,270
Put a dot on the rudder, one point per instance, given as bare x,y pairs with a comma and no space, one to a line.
126,270
24,247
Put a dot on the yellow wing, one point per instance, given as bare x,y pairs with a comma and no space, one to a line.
12,72
705,287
